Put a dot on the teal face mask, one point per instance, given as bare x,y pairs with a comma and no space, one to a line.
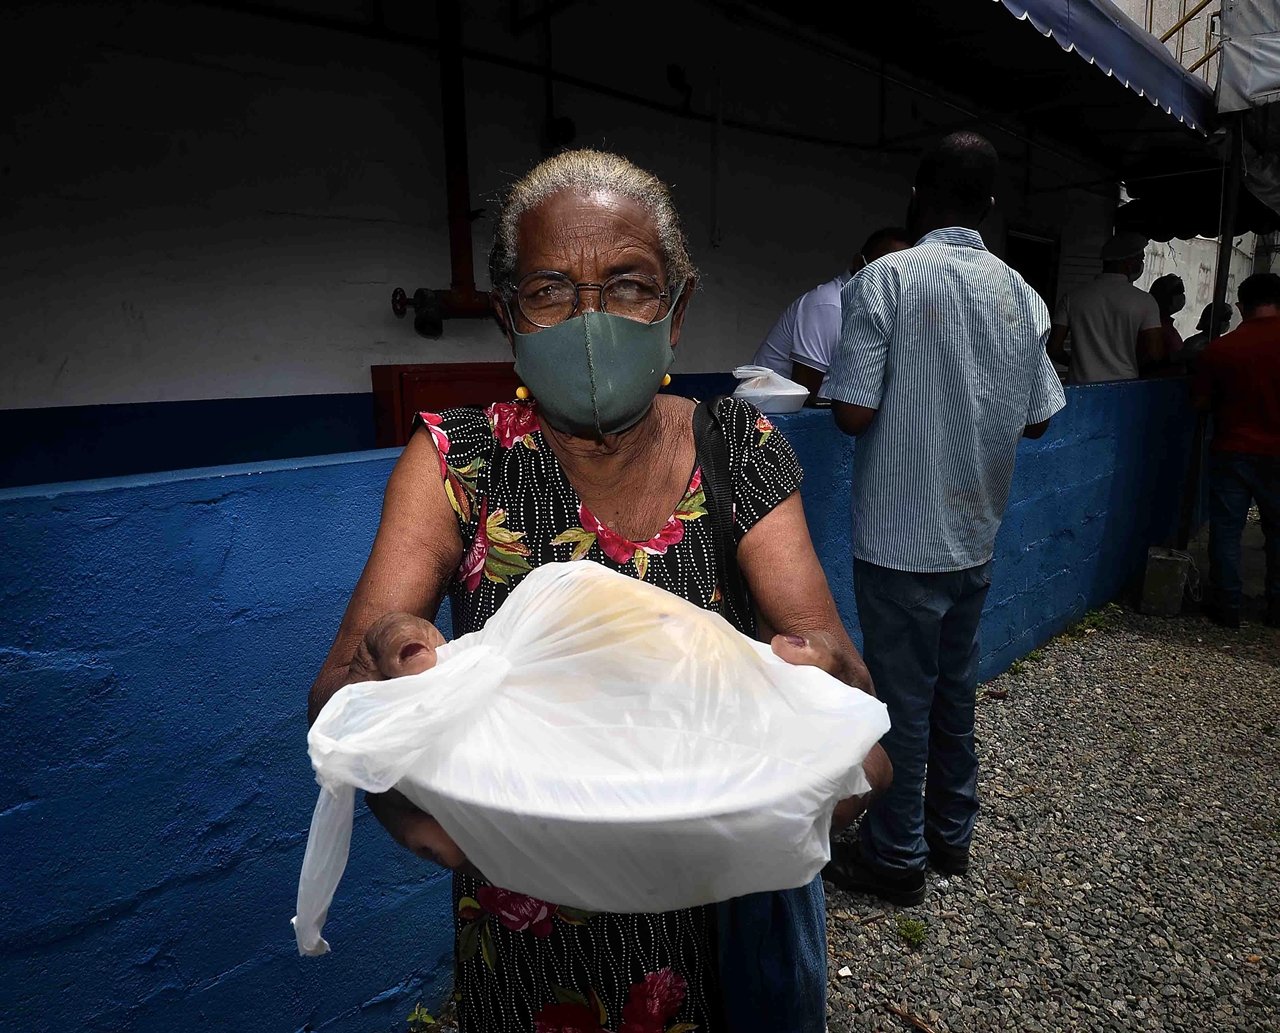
595,374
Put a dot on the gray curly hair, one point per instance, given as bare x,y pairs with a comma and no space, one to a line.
587,170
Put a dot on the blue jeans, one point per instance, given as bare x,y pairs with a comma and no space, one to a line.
920,640
773,960
1235,480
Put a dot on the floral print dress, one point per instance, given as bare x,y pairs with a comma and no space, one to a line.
529,965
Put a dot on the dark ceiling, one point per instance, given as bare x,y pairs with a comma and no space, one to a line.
978,50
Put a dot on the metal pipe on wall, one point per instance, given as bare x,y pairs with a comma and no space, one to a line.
462,300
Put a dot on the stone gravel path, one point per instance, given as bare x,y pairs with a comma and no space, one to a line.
1126,865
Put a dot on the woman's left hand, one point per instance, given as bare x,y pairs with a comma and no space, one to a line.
821,649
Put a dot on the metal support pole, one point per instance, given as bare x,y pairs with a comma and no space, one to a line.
1184,19
1233,183
1204,58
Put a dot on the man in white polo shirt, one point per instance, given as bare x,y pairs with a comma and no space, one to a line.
804,338
1114,326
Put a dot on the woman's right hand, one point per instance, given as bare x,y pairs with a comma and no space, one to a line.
396,645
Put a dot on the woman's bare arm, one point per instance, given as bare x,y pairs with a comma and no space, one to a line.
791,592
386,631
790,588
416,551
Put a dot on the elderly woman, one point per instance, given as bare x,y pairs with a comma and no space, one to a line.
591,285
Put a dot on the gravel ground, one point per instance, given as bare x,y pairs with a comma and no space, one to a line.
1125,866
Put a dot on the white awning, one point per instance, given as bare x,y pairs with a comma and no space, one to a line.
1250,56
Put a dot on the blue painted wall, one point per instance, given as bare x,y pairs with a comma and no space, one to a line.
82,441
157,638
1087,499
76,442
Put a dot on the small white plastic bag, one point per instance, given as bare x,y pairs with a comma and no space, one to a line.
768,391
601,744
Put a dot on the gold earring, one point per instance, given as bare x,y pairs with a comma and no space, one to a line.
666,380
522,393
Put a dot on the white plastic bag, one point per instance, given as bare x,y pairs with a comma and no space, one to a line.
768,391
601,744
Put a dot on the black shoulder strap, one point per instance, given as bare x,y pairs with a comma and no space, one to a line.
717,484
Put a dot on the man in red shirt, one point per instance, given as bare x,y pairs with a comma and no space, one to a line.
1238,380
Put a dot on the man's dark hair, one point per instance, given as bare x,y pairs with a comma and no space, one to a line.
885,235
959,174
1223,311
1258,290
1163,288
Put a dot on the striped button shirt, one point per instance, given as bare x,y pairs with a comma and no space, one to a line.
947,342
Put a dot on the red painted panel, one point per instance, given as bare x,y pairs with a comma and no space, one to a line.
401,391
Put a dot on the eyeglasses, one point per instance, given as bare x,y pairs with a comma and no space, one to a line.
547,298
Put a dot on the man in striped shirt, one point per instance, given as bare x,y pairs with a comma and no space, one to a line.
941,369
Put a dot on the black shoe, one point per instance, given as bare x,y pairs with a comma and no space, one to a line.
1224,616
854,874
949,860
844,849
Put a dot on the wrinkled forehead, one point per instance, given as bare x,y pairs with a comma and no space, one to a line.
581,231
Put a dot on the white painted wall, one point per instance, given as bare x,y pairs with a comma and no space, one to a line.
206,204
1196,261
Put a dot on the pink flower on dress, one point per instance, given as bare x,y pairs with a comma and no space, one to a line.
441,439
653,1001
612,544
567,1018
671,534
513,422
516,911
763,425
620,549
471,570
